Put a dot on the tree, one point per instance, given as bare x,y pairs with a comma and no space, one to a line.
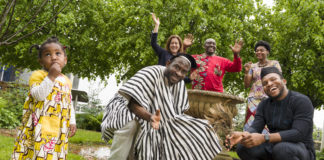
19,20
110,36
297,36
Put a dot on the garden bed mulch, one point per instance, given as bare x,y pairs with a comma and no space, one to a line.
8,132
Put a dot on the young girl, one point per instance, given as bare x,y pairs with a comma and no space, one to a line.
48,116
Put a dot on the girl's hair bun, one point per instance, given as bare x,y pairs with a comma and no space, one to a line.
36,46
40,48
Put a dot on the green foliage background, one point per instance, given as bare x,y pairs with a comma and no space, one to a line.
89,121
11,105
112,36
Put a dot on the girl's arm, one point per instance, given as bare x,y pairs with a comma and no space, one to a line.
44,89
41,91
72,119
73,127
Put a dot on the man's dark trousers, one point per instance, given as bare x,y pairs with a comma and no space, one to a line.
278,151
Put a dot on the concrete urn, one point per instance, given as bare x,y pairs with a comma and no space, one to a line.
218,108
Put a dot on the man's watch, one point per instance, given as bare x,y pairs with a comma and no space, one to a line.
267,138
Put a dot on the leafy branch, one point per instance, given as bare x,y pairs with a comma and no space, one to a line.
6,38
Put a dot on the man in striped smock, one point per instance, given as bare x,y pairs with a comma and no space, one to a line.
157,96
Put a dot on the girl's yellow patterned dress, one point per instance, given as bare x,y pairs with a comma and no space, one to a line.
45,124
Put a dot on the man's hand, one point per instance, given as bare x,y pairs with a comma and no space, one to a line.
188,40
252,140
155,19
54,71
73,130
237,47
234,138
247,67
194,75
155,120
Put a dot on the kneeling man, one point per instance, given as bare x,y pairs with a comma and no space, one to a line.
289,117
156,98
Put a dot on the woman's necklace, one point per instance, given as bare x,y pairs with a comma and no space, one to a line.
264,64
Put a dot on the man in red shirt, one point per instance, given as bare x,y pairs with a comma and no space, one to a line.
211,68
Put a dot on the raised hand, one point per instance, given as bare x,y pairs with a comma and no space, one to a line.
155,19
54,71
194,75
247,66
188,40
237,46
155,120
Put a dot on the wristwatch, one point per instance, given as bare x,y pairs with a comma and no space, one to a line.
267,138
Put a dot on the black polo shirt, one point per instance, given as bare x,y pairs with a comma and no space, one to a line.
292,117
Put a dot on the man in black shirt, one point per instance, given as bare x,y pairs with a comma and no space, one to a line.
289,117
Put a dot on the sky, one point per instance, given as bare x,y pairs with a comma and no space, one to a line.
107,92
269,3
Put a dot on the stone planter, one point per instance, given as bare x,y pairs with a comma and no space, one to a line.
218,108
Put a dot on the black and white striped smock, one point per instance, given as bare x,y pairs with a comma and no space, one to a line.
179,136
116,116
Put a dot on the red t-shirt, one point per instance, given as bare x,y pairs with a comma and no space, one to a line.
211,70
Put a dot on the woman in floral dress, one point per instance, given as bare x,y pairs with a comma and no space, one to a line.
252,79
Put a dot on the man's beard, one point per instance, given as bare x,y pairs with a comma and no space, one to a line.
168,74
279,95
209,53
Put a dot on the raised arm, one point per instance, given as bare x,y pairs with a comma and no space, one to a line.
41,91
187,42
247,75
156,22
236,65
237,47
157,49
142,113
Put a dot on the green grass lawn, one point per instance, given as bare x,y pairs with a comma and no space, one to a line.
81,138
87,137
6,147
234,155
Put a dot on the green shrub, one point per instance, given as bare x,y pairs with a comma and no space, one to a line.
11,106
99,116
320,155
88,121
